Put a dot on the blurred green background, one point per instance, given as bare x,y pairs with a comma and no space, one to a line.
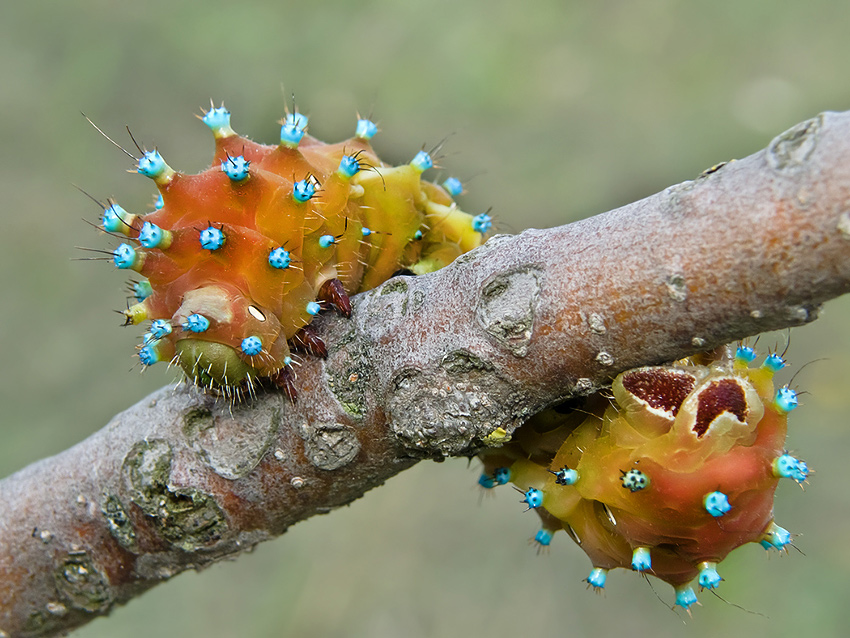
556,110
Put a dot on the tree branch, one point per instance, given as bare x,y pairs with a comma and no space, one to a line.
429,367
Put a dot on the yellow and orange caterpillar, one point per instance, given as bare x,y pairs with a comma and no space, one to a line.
666,477
239,258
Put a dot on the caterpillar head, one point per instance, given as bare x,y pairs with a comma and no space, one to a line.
213,365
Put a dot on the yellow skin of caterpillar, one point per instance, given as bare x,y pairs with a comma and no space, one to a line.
733,456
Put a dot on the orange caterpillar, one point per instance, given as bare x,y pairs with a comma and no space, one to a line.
239,258
669,478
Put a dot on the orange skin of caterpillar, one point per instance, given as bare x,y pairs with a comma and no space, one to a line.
236,288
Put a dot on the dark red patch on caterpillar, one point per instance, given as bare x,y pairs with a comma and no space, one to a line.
662,388
725,395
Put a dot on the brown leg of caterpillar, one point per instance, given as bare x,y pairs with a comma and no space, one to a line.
306,340
335,296
285,380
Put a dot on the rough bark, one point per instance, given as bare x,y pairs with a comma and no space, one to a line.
428,367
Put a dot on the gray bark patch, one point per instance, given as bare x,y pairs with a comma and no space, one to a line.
396,284
792,148
596,322
507,307
584,386
185,517
463,361
233,443
450,412
418,300
146,469
605,358
329,446
82,584
389,300
677,287
119,523
348,375
802,314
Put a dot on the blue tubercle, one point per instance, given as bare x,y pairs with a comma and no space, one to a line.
641,559
543,537
565,476
142,290
280,258
366,129
148,355
303,190
217,119
287,361
293,129
196,323
533,498
326,241
502,475
486,481
785,399
417,235
453,186
124,256
290,135
634,480
597,577
745,355
422,162
313,308
774,362
776,537
151,235
152,165
685,597
115,218
786,466
236,168
708,576
160,328
159,203
716,503
252,346
482,223
348,166
365,231
212,238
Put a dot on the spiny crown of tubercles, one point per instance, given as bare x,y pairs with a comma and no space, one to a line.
239,258
666,477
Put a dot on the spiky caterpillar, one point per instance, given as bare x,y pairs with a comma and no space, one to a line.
241,257
676,472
